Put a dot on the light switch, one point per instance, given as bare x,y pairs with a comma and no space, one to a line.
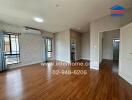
94,46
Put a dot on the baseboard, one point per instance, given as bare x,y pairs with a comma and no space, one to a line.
107,59
126,77
83,60
13,66
94,68
62,61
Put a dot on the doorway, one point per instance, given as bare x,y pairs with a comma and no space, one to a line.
109,48
116,43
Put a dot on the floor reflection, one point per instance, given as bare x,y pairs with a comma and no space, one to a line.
49,70
14,83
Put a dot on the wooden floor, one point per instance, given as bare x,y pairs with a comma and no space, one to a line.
36,82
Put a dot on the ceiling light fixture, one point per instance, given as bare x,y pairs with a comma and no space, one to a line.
38,19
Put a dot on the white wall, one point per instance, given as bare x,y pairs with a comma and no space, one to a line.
85,46
62,45
31,44
125,62
108,43
104,24
31,49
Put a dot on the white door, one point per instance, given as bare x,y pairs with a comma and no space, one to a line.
125,67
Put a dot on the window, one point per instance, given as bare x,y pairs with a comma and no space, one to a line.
49,47
12,52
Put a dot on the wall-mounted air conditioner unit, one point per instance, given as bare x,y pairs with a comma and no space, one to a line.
32,30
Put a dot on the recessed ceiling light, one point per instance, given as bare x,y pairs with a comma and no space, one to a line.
38,19
79,28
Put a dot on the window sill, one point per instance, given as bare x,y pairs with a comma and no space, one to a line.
13,63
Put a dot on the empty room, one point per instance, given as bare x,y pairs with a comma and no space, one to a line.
65,50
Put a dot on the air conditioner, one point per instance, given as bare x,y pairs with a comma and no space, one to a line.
32,30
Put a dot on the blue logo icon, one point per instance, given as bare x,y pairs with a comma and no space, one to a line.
117,11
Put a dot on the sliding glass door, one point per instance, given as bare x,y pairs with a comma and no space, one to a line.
2,55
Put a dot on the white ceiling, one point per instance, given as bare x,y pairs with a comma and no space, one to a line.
58,15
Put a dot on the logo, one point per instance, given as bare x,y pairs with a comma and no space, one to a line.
117,11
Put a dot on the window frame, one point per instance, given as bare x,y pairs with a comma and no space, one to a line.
10,42
17,54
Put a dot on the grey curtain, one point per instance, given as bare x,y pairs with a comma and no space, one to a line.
2,56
